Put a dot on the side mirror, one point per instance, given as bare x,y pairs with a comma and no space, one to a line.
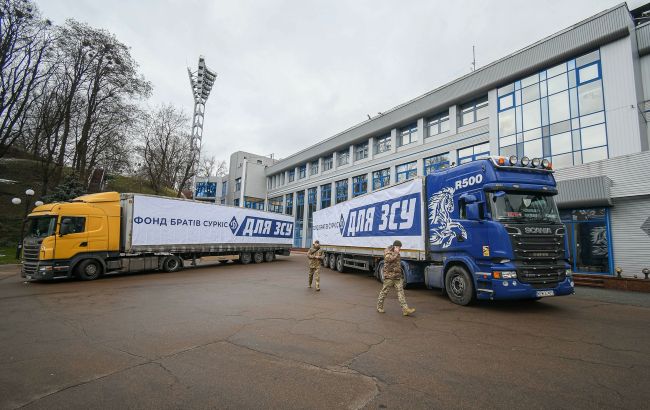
468,198
472,212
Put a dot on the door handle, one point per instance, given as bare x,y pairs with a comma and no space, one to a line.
83,244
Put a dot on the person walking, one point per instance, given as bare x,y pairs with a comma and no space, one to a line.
315,255
393,278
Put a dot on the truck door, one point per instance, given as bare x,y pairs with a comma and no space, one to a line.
477,244
97,230
72,237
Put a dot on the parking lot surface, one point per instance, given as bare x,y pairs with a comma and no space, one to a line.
254,336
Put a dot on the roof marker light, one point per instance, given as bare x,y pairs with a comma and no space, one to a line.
501,161
546,164
513,160
525,161
535,162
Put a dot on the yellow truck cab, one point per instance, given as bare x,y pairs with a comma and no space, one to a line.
72,237
111,232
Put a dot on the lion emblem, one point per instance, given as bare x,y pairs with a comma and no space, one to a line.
443,229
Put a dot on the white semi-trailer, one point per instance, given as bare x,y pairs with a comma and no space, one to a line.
111,232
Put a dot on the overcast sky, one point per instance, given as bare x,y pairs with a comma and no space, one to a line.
291,73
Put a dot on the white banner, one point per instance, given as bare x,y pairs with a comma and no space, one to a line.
166,221
375,220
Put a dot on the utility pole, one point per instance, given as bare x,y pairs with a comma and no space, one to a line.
201,81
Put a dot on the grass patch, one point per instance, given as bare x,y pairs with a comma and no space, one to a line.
7,255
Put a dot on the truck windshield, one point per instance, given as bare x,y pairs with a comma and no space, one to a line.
41,226
524,207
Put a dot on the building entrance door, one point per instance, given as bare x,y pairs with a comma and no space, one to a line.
589,240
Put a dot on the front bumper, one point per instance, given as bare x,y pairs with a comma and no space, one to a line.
44,270
499,289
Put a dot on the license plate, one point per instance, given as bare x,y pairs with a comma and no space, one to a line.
544,293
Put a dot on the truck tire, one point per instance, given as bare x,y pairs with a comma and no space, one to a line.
325,261
245,258
339,264
258,257
379,272
89,269
172,263
269,256
459,286
332,261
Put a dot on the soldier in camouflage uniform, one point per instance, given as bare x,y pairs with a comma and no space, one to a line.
315,255
393,277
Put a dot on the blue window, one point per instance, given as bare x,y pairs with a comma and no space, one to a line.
254,203
300,218
237,184
473,153
313,168
382,144
328,162
589,72
474,111
325,196
438,124
289,200
361,151
408,134
206,189
224,188
341,191
343,157
311,208
359,185
380,178
506,101
558,114
406,171
302,171
589,240
236,202
292,175
436,163
275,204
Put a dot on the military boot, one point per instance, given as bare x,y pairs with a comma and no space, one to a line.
408,311
380,309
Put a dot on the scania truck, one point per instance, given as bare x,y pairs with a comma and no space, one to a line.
488,229
110,232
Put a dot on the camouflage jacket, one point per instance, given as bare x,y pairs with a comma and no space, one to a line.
314,255
392,264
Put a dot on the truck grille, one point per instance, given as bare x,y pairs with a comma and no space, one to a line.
539,256
31,248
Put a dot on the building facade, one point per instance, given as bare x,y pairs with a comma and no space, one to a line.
577,97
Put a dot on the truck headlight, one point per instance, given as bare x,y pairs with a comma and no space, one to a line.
506,274
569,273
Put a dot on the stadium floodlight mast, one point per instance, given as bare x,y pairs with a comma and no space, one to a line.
201,81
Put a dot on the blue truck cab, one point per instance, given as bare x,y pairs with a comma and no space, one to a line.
494,231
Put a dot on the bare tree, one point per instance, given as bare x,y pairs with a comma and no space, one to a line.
165,149
24,43
211,166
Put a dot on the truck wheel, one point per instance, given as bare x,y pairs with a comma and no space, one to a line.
325,261
339,264
89,269
245,258
269,256
379,272
172,263
332,261
258,257
459,286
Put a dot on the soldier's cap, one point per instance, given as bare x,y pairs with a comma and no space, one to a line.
317,242
397,243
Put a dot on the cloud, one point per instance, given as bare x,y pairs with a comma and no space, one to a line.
291,73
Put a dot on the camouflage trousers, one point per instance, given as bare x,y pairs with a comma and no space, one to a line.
314,273
399,287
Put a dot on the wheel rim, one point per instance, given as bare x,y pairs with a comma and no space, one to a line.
458,286
172,264
91,269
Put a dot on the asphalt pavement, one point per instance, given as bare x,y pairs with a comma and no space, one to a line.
254,336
